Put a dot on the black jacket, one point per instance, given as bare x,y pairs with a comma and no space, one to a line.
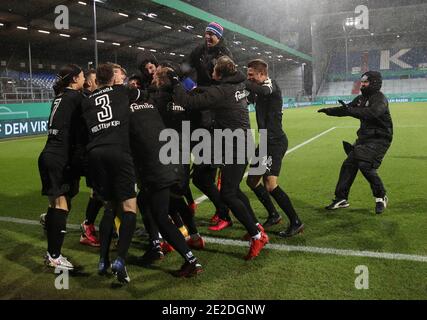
171,113
145,127
374,115
226,100
65,125
203,60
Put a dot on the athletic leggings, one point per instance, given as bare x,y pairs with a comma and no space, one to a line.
204,180
158,200
180,207
235,199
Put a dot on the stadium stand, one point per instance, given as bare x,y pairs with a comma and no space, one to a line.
404,71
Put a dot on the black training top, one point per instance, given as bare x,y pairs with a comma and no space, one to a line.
374,115
227,101
63,123
146,125
106,114
268,101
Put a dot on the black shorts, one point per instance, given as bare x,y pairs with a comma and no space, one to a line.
273,160
112,173
56,176
157,179
80,166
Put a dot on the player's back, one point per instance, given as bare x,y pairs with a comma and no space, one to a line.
269,111
63,122
106,114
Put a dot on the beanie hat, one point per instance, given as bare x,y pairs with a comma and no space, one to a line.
215,28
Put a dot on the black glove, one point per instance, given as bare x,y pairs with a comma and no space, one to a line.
342,103
324,110
173,77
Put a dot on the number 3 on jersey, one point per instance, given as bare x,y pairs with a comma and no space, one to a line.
106,113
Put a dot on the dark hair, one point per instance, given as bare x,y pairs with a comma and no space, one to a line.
259,65
88,72
65,77
225,66
135,77
143,59
104,74
87,75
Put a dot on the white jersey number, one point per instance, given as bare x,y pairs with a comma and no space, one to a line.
55,107
106,113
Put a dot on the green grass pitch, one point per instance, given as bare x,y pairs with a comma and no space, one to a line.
309,175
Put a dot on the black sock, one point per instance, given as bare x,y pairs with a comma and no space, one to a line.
247,204
92,209
285,204
179,205
160,203
106,232
147,217
56,227
189,195
176,218
127,228
264,197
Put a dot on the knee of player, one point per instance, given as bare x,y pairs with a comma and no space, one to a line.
59,203
228,195
365,166
270,183
129,205
349,162
252,182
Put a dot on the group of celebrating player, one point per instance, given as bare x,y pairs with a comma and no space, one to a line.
108,131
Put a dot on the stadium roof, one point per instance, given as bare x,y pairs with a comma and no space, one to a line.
171,29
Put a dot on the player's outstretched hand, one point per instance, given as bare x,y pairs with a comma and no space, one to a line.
323,110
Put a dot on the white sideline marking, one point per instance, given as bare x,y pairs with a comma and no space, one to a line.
204,197
310,140
333,251
279,247
394,127
200,199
